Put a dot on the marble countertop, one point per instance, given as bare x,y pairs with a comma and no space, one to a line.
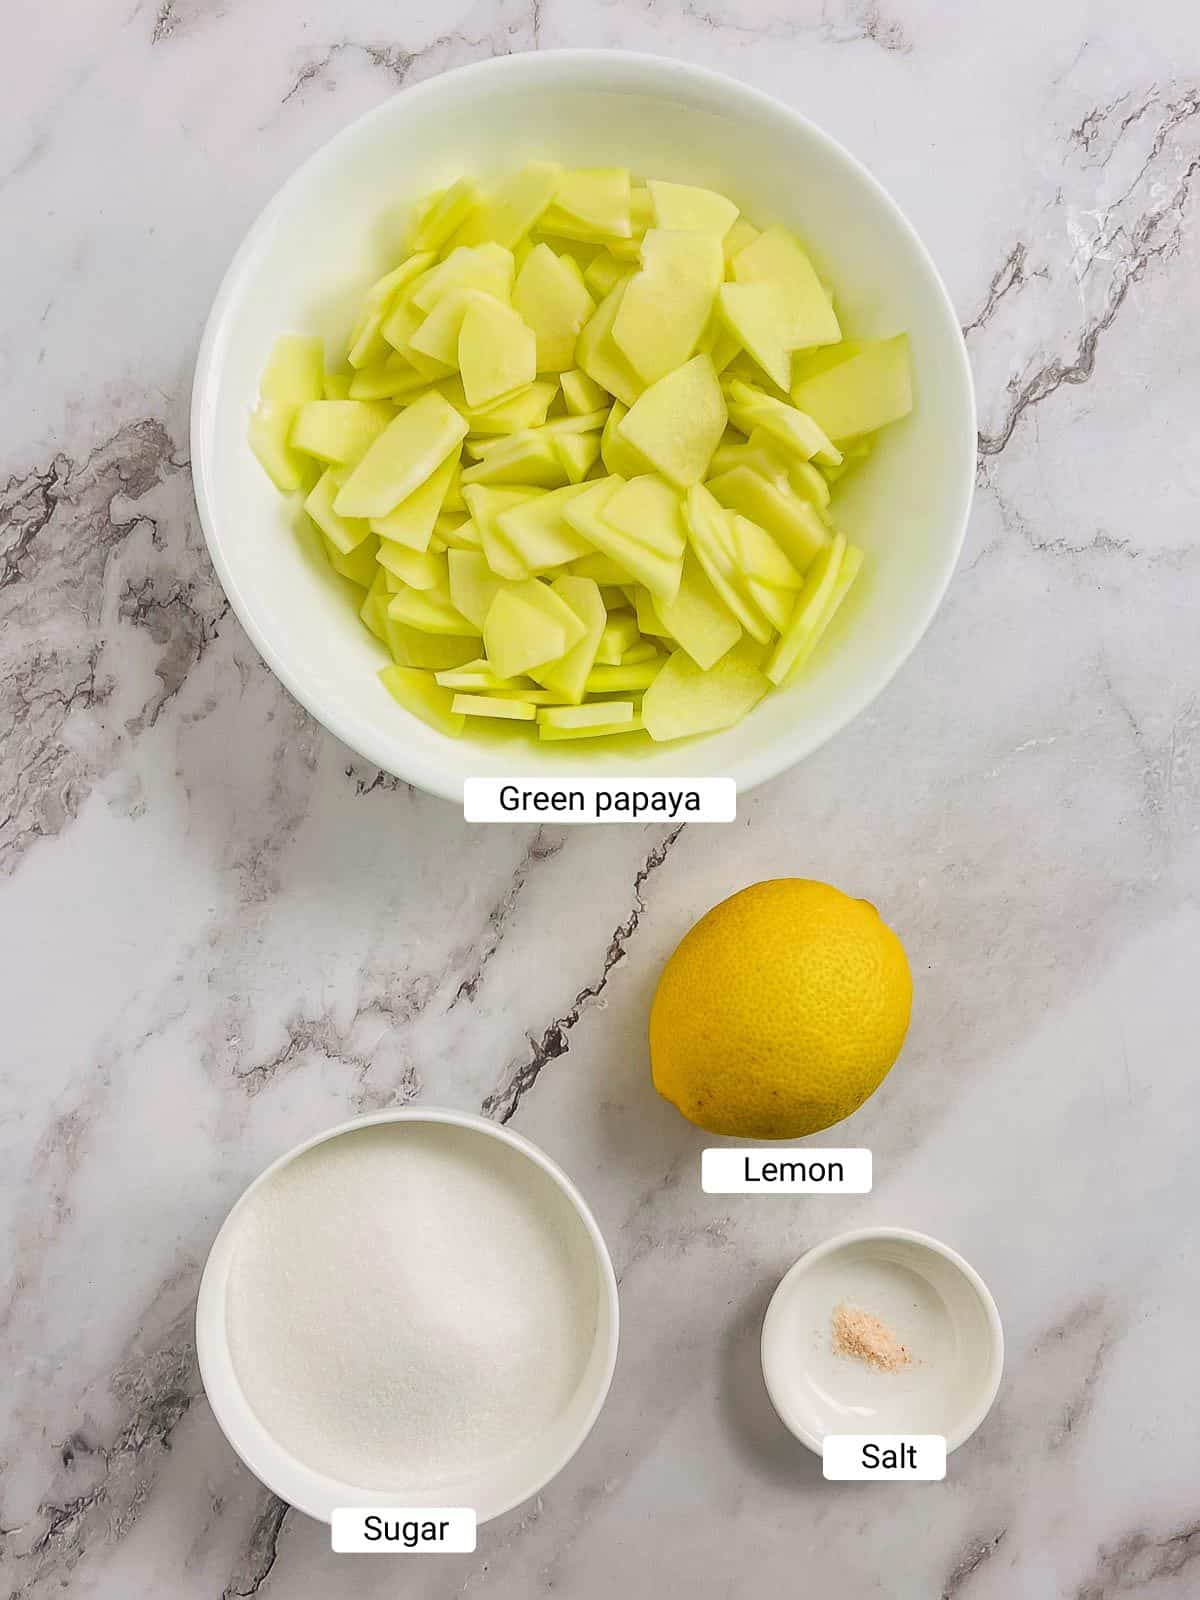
221,932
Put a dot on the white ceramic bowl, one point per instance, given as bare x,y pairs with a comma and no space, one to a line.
491,1491
336,225
935,1304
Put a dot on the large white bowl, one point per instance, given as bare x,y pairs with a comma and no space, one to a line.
492,1489
335,226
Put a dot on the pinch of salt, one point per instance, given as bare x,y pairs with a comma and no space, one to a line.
863,1337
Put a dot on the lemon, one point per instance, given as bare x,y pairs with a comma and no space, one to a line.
780,1012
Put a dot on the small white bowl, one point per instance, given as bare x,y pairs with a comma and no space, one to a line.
335,226
938,1307
491,1491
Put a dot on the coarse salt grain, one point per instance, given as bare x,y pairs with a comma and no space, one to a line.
409,1303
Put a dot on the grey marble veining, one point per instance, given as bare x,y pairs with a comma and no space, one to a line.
222,932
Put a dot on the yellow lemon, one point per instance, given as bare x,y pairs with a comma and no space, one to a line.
780,1012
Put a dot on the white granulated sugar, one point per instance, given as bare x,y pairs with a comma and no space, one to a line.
408,1303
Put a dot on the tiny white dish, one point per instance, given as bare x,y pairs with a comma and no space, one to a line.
495,1487
935,1304
333,228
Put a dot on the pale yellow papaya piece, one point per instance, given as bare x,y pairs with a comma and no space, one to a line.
419,569
456,531
337,386
759,557
359,564
795,524
417,692
697,619
774,604
778,258
868,389
538,531
603,273
532,696
650,624
339,431
597,197
404,455
366,344
809,482
578,453
567,232
741,233
685,699
431,652
443,215
373,611
478,677
528,458
597,353
582,394
681,206
820,582
473,585
552,299
625,678
547,734
294,376
854,452
584,422
487,503
601,569
490,268
852,560
649,510
678,422
667,305
762,453
619,456
718,343
413,521
790,428
438,336
497,351
401,321
344,533
525,409
528,624
429,611
568,675
454,501
486,705
744,366
754,317
711,539
641,209
585,513
620,631
602,713
394,378
511,207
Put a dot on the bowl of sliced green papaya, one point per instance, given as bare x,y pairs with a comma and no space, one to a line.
583,413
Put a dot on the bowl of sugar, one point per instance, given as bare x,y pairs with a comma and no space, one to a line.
415,1308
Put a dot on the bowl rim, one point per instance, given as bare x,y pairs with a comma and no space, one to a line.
924,1241
637,67
219,1377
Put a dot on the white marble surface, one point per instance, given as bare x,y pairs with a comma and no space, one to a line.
221,933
